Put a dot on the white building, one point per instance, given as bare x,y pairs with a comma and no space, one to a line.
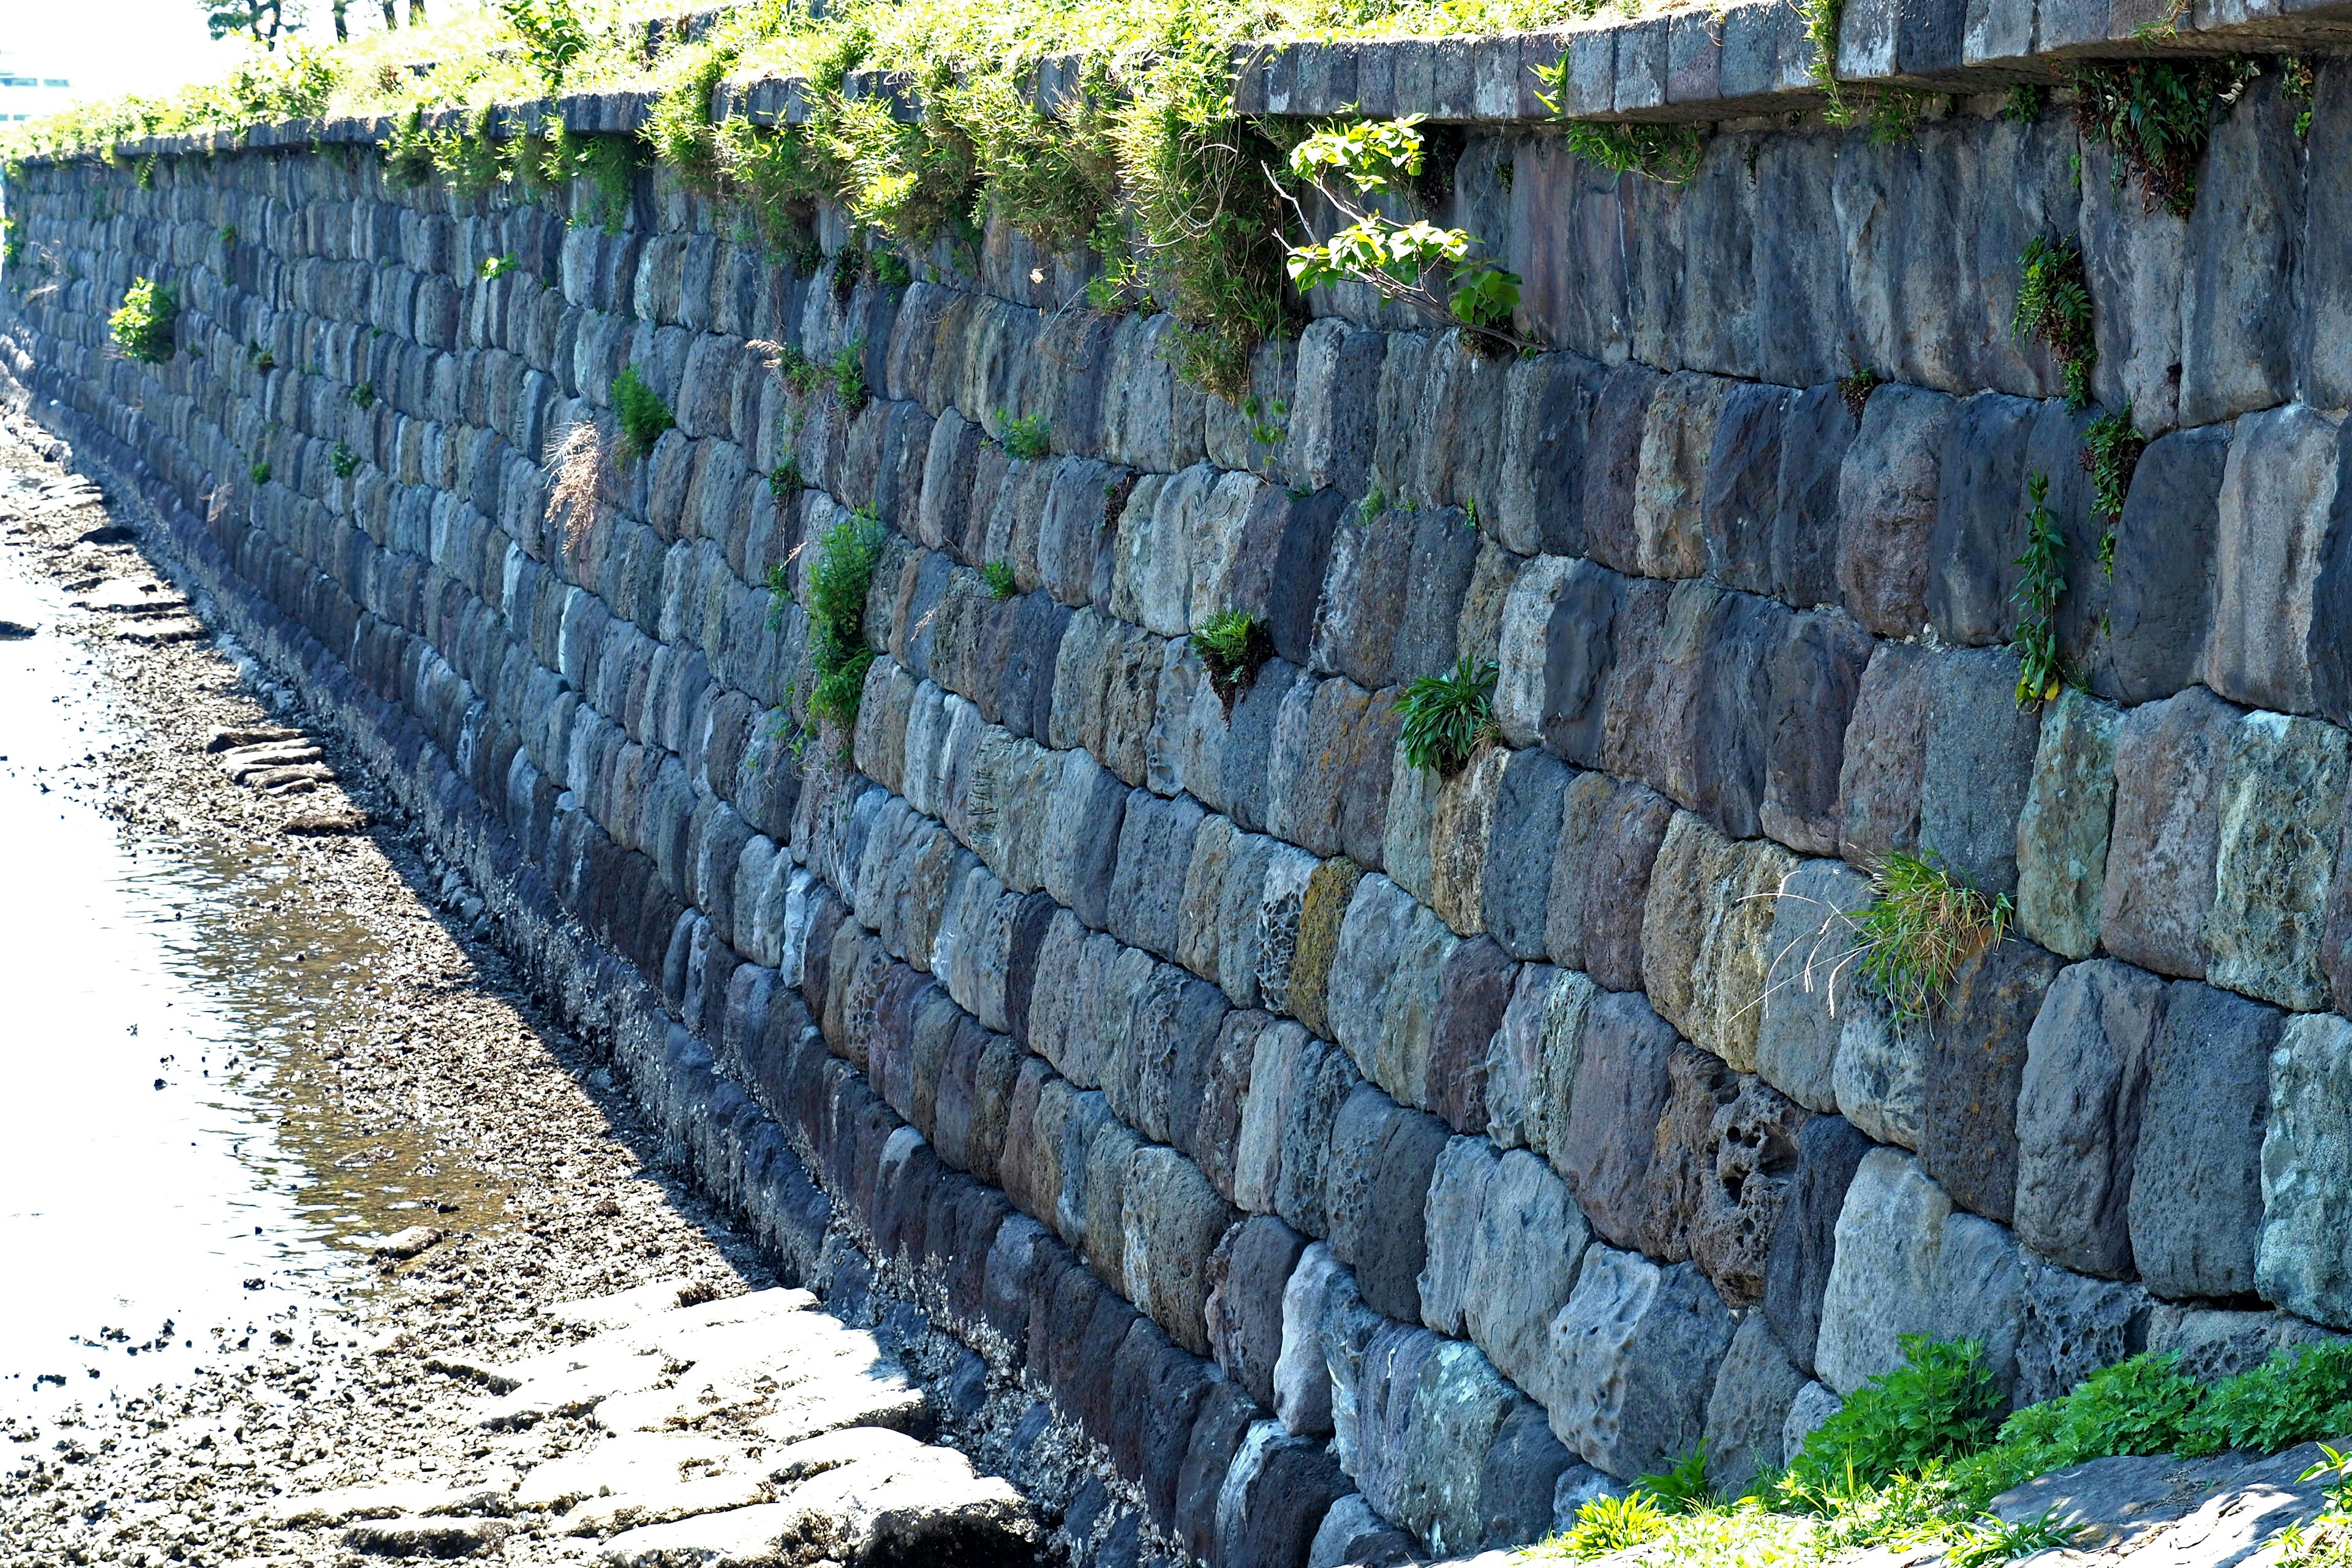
26,92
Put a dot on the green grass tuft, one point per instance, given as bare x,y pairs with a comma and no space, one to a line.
838,584
1028,436
1447,717
143,328
644,416
1925,922
344,460
998,575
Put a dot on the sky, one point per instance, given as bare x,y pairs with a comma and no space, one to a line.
111,47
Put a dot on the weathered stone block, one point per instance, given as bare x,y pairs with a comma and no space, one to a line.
1619,1095
1811,982
1735,717
1887,487
1741,500
1383,1155
2196,1204
1682,1159
2172,761
1819,428
2072,1327
1548,409
1979,766
1247,1275
1457,1200
1385,986
1324,904
2160,596
1816,678
1521,647
2306,1262
1332,418
1629,827
2271,536
2062,830
1516,894
1882,1071
1670,484
1747,1410
2078,1114
1635,1352
1155,852
1879,776
1973,552
1473,988
1582,805
1830,1149
1524,1255
1976,1063
2281,795
1533,1061
1462,823
1907,1262
1613,466
1173,1220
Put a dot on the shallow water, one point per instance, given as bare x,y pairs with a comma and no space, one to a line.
174,1169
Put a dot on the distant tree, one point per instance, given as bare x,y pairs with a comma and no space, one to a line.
265,20
343,26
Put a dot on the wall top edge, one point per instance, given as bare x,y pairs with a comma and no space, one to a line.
1746,59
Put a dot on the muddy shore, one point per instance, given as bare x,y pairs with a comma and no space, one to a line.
540,1183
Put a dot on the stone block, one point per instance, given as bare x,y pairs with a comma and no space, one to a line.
2160,595
1580,654
1735,717
2172,761
2072,1326
1682,1158
1754,1141
1302,1376
1812,982
1657,679
1619,1095
1747,1410
1377,1182
1582,807
1830,1149
1882,1071
1612,465
1087,808
1473,988
1980,764
2305,1261
1324,905
1332,416
1818,428
1814,1405
1155,852
2087,1062
1531,1062
2281,795
2238,334
1741,500
1457,1199
1816,680
1976,1063
1354,1535
2062,830
1627,835
1548,410
2271,538
1524,1253
2195,1207
1521,652
1244,767
1670,484
1880,774
1514,901
1385,987
1635,1353
1462,821
1907,1262
1706,934
1887,488
1219,1430
2213,1343
1278,1491
1973,571
1247,1278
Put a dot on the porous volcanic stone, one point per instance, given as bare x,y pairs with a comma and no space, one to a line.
1620,1093
1681,1163
1383,1155
1811,982
1747,1410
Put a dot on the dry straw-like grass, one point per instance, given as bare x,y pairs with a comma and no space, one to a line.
581,481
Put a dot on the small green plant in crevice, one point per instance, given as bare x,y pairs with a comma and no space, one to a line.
2027,100
998,576
644,416
1426,269
1856,385
1375,502
1922,923
889,270
799,373
1268,419
2296,1395
1609,1524
2054,309
1667,154
2112,445
838,583
1446,716
1233,644
2157,115
1943,1401
2041,583
1680,1486
2299,81
364,395
344,460
143,327
258,472
849,376
496,267
1028,436
228,236
259,358
784,480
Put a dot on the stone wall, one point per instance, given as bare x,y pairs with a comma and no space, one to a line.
1344,1153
